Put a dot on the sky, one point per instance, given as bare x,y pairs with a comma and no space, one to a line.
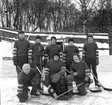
77,2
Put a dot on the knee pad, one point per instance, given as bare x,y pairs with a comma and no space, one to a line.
87,83
69,78
52,93
62,85
82,90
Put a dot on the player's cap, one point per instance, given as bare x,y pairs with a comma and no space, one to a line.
21,32
53,37
57,54
70,39
38,37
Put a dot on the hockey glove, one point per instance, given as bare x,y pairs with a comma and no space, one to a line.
55,77
70,77
75,73
63,71
88,81
97,62
15,61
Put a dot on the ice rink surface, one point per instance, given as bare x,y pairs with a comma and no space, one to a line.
8,84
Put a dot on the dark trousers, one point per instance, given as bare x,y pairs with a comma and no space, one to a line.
81,88
61,86
24,94
92,66
79,82
37,63
21,61
68,64
54,86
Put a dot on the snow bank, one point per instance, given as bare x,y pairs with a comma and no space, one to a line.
7,48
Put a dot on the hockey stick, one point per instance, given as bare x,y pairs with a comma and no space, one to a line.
39,71
48,103
93,91
108,89
19,68
70,90
41,81
41,68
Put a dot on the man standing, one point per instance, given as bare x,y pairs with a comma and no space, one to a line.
35,57
52,49
20,52
68,53
91,57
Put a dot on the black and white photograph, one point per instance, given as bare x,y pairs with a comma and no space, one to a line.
56,52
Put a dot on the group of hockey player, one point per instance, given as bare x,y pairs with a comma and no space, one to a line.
61,67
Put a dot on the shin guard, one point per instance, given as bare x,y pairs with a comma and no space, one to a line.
52,92
70,86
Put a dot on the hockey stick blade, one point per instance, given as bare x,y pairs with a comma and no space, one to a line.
95,91
105,88
46,94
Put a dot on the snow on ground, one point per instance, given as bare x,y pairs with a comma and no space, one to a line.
6,49
8,84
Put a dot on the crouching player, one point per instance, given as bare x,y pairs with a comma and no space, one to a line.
80,74
55,77
26,78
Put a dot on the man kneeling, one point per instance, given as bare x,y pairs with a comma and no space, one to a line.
80,74
26,78
55,78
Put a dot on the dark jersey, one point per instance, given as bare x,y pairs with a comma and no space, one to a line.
81,68
69,52
21,48
54,66
35,51
25,79
90,50
51,50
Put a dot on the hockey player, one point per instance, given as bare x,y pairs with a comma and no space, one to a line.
68,53
55,76
20,51
91,57
26,78
35,57
80,73
52,49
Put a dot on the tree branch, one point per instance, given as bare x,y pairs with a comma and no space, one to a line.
77,2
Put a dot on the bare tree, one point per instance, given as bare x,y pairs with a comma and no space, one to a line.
2,13
85,6
109,7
